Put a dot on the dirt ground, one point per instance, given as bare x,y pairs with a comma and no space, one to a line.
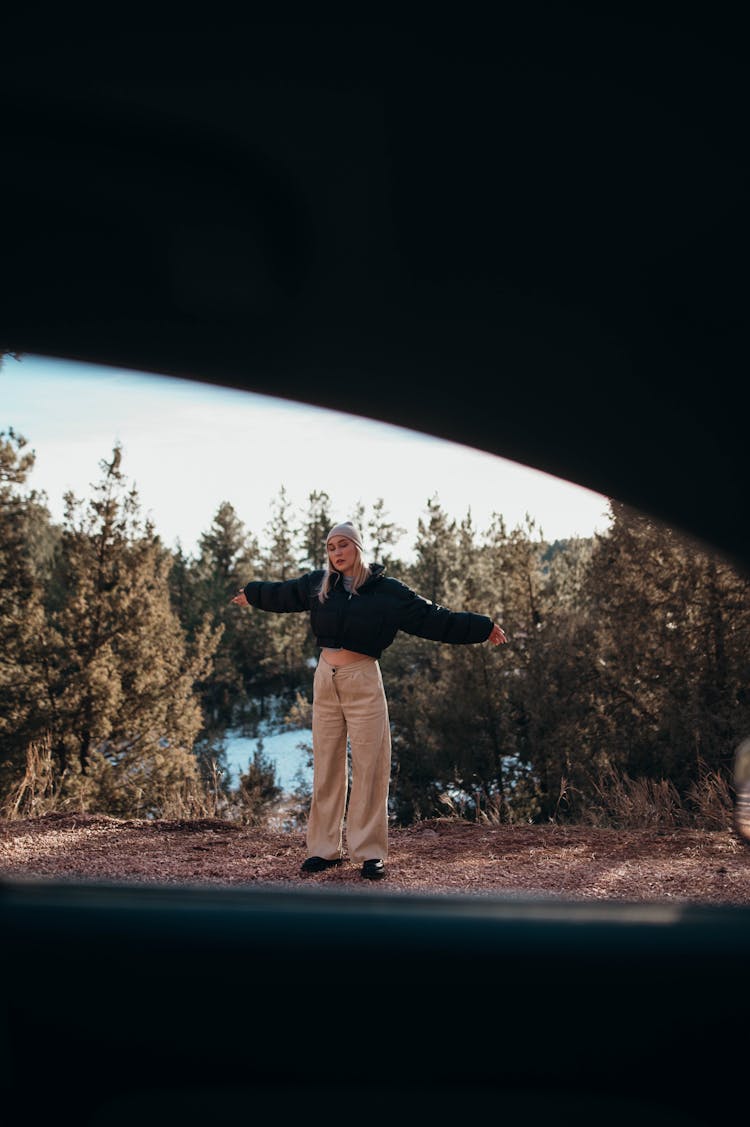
437,856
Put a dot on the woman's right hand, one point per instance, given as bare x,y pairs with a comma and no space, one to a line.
240,599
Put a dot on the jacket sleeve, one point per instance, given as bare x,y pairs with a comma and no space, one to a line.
429,620
283,597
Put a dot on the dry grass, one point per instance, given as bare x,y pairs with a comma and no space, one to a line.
644,803
621,801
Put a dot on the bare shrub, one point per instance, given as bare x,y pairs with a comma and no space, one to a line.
455,805
712,799
192,799
38,792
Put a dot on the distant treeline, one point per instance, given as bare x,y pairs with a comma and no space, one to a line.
619,699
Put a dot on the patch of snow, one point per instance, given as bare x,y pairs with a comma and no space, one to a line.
282,748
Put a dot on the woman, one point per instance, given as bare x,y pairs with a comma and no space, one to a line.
355,613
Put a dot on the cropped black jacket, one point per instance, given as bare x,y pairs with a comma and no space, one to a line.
367,622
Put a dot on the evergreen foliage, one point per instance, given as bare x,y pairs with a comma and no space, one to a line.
123,666
258,791
670,630
202,590
316,525
22,615
116,670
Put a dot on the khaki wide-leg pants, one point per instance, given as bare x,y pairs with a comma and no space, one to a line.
349,700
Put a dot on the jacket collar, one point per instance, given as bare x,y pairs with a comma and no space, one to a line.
377,571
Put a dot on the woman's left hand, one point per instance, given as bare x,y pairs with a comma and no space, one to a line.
497,635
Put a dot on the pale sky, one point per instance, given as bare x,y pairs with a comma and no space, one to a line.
188,446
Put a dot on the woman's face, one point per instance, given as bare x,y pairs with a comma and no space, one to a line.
342,554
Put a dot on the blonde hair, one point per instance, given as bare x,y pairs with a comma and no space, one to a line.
360,574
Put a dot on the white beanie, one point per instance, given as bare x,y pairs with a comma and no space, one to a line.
346,529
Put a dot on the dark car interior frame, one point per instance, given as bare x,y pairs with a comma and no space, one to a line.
529,236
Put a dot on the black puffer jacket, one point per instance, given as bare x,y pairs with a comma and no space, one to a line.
368,622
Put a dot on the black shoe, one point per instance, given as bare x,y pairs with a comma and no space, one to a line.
318,864
373,870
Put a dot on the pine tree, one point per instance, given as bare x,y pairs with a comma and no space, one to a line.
227,558
282,535
672,644
382,534
458,710
472,699
288,642
436,564
553,699
121,674
258,790
430,685
315,527
24,530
